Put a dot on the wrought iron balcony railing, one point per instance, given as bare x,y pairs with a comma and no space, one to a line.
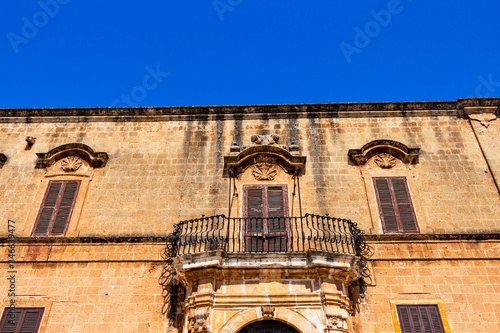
266,235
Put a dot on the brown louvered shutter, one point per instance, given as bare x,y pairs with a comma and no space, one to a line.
27,320
396,210
255,223
404,205
48,208
387,211
265,210
420,318
65,207
57,206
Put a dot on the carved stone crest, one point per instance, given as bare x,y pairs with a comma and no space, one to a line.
261,139
385,161
71,163
265,171
267,312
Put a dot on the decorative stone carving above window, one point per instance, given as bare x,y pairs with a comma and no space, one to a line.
77,152
264,150
385,161
264,171
3,159
71,163
378,147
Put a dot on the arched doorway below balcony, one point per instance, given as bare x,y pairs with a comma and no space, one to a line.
268,326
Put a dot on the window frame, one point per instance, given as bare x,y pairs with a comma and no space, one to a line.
266,235
395,206
405,307
24,310
57,206
438,302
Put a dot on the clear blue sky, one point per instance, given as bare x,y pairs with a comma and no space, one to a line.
70,53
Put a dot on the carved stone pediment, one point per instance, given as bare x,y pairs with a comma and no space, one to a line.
263,151
390,147
74,150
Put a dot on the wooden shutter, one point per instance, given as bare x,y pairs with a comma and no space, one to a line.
57,206
395,206
420,319
27,320
265,209
255,223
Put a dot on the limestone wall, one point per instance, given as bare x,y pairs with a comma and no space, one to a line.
169,169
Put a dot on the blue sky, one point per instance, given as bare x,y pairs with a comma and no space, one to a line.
70,53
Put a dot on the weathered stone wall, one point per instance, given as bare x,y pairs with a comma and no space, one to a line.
463,275
159,173
163,171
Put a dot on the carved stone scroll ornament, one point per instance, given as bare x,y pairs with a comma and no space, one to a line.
385,161
267,312
265,171
198,322
71,163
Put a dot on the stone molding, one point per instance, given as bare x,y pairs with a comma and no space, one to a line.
80,150
377,147
269,265
289,317
276,111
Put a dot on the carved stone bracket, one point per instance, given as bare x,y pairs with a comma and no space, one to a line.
394,148
79,150
198,320
3,159
264,150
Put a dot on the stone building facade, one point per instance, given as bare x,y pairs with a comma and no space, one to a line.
355,217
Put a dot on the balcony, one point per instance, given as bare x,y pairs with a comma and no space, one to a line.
256,240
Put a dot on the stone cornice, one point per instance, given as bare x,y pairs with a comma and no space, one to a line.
431,237
87,240
319,110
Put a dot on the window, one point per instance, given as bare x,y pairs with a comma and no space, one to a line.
420,318
23,320
265,209
395,206
57,206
